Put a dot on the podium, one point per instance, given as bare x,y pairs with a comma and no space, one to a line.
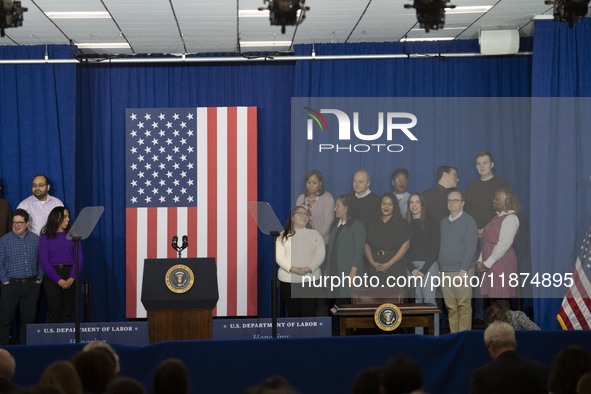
179,295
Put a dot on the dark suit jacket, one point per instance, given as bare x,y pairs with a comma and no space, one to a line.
510,373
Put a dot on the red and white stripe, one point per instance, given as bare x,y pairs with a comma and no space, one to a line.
219,226
575,311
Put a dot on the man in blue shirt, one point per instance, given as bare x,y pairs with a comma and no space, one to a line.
20,275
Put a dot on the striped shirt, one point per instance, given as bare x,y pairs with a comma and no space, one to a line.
19,257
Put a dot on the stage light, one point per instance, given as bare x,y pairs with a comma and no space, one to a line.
285,12
11,15
430,13
569,10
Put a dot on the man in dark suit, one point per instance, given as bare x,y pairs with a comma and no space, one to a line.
508,372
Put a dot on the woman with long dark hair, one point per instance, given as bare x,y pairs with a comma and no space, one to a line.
300,252
345,248
57,257
424,248
388,240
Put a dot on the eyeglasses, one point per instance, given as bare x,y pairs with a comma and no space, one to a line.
36,185
303,214
18,223
454,200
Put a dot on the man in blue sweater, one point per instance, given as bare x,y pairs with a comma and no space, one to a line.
459,236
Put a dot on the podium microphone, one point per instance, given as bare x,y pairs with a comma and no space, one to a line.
175,243
185,242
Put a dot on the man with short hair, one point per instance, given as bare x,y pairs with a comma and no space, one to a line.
40,204
400,184
20,275
436,197
459,236
402,375
508,373
479,195
365,203
480,192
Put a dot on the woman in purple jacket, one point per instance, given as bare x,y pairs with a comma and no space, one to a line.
57,257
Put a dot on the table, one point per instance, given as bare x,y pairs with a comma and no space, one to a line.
362,316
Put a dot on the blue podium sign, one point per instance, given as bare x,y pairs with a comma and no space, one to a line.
128,333
292,327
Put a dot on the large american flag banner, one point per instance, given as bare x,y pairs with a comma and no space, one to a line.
192,171
575,311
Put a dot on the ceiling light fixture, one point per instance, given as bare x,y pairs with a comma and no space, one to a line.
78,15
11,15
426,39
569,10
96,45
285,12
259,44
477,9
430,13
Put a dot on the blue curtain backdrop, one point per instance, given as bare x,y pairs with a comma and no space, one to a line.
68,121
105,93
37,122
560,160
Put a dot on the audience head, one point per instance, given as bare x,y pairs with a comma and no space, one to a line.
7,365
96,369
106,347
584,384
171,376
401,375
499,337
314,184
63,375
273,385
569,365
368,381
125,385
400,180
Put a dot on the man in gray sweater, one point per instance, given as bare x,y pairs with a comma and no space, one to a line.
459,236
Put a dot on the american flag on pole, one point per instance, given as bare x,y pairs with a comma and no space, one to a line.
575,311
192,171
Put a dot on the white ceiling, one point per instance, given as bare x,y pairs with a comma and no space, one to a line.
213,26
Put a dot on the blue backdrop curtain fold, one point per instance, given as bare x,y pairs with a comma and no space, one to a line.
560,161
37,122
105,94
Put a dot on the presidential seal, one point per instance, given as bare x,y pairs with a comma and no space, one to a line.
179,278
387,317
